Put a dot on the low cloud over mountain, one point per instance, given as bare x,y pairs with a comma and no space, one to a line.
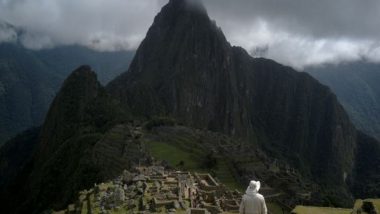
293,32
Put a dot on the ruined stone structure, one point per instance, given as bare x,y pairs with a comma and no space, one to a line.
154,189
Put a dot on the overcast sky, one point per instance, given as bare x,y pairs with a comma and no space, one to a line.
293,32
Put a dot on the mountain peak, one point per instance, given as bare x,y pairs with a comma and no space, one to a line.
182,28
83,70
68,108
186,69
178,11
183,40
187,4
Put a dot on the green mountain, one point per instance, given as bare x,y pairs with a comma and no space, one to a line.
30,79
192,100
16,154
186,69
62,159
356,85
108,65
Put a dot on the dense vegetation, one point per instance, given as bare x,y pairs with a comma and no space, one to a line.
16,154
186,70
79,117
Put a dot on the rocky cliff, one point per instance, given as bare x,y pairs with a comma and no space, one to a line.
186,69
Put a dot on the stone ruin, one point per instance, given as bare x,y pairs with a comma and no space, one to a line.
154,189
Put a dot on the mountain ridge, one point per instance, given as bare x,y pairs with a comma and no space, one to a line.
186,71
355,84
30,79
63,160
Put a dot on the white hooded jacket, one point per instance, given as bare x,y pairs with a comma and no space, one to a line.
253,202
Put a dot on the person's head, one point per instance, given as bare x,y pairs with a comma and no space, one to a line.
253,187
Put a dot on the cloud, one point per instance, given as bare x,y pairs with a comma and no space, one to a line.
7,33
302,32
101,24
322,18
299,50
294,32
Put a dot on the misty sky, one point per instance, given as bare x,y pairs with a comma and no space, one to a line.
293,32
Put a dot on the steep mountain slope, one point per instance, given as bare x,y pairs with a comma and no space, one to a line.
70,110
26,90
186,69
16,154
86,138
357,86
64,159
29,80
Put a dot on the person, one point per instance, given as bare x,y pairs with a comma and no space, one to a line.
253,202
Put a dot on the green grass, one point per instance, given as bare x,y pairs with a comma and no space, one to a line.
320,210
275,208
173,153
120,211
224,174
84,207
187,144
115,136
375,202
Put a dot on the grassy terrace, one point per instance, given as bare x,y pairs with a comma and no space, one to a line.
175,153
320,210
275,208
176,147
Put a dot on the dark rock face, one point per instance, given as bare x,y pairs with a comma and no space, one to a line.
186,69
164,65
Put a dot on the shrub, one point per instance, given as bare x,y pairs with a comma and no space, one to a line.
159,121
